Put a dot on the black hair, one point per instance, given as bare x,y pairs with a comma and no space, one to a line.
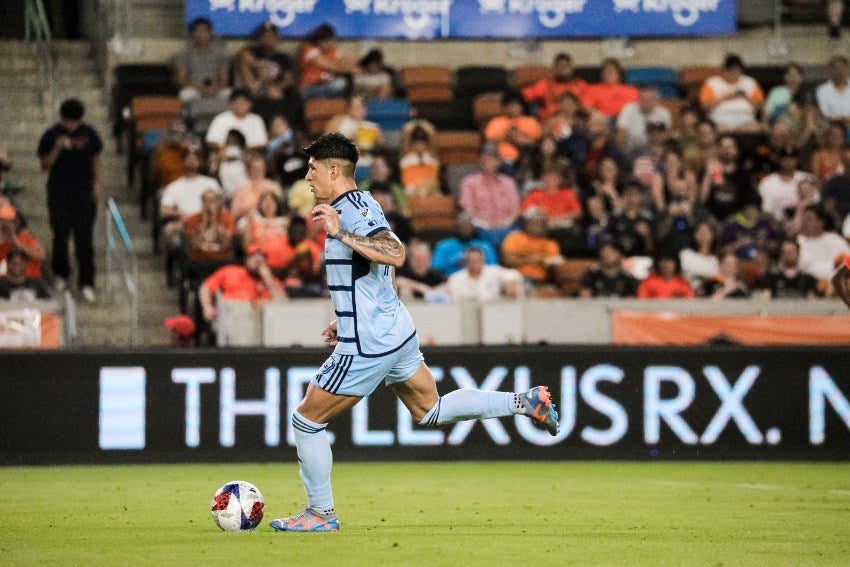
17,252
511,96
200,22
321,33
332,145
733,60
72,109
240,93
560,56
238,137
373,56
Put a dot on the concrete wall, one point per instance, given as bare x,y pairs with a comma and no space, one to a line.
554,321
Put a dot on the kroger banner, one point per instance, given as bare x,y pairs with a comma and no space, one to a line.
464,19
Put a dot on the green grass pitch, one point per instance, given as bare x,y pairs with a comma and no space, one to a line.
466,514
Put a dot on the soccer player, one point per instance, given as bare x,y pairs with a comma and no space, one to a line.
373,335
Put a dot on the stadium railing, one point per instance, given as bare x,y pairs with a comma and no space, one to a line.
122,268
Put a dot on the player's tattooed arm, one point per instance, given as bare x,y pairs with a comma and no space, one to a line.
383,248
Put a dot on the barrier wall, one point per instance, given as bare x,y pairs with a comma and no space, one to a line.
616,403
552,321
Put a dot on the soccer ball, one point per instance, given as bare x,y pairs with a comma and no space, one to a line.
237,506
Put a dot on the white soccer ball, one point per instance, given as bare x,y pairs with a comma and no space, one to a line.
237,506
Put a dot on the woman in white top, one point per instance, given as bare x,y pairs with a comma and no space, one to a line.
699,262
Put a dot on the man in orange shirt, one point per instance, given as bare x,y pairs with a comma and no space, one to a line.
732,99
546,92
560,203
323,67
252,282
13,235
514,131
529,251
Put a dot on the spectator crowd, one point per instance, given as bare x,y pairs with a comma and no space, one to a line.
731,191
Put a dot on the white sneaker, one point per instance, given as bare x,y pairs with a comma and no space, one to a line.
60,284
88,294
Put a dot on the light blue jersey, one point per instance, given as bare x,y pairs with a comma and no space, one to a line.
371,321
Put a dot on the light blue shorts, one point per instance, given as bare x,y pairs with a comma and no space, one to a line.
355,375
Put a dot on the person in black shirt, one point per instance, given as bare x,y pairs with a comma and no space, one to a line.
632,226
15,285
786,280
70,150
608,278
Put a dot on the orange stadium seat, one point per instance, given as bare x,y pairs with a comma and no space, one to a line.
691,79
427,82
432,218
458,146
485,106
317,112
530,74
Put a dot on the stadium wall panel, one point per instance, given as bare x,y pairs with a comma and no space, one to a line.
718,402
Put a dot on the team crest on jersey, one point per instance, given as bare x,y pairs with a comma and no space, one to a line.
366,213
327,366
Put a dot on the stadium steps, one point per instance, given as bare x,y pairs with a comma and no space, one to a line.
105,323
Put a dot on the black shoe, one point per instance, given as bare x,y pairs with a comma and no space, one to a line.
834,32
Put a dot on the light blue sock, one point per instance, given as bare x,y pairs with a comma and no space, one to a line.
315,459
468,403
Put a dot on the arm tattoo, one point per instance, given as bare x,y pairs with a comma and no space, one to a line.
384,243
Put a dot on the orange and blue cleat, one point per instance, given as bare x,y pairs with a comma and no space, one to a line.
307,521
537,404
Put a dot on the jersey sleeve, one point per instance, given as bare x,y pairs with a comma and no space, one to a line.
362,215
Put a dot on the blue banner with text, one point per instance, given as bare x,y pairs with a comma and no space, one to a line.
471,19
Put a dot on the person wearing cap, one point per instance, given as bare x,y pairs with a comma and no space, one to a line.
17,285
778,190
529,251
608,277
15,236
635,116
238,117
732,99
491,198
253,281
183,329
71,152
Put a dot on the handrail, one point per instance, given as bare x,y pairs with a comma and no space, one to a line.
122,263
37,29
